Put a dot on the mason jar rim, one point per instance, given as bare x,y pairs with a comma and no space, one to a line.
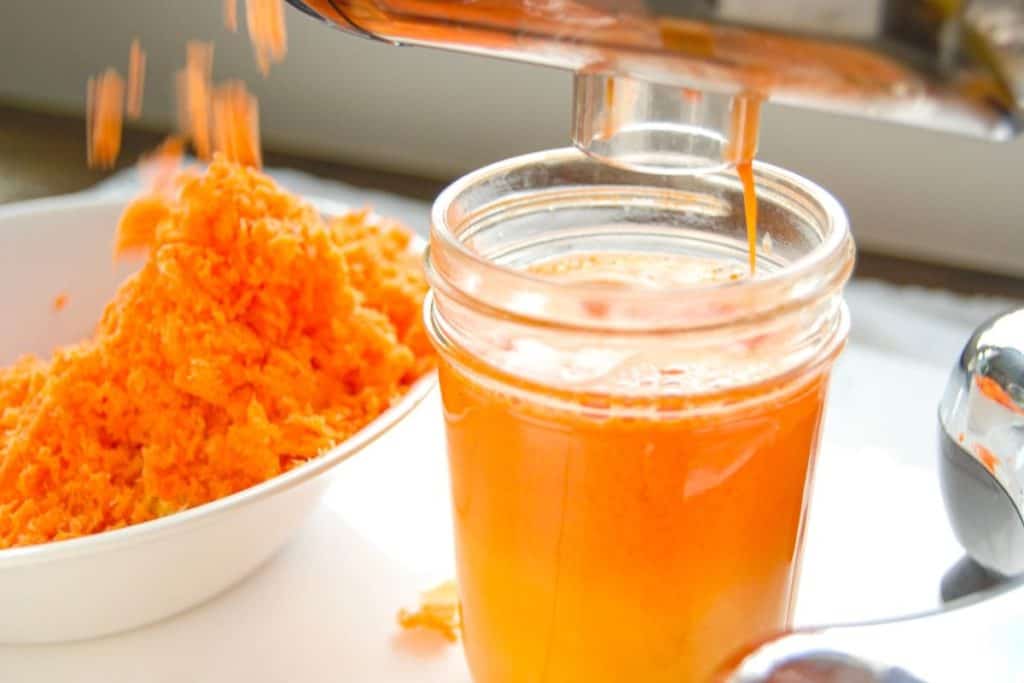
820,271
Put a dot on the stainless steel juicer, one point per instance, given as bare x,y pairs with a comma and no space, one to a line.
953,65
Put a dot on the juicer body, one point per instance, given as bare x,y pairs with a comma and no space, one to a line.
951,65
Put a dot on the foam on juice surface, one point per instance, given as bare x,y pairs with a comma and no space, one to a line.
639,271
632,366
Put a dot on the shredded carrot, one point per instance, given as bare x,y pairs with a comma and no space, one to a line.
193,88
104,110
139,223
60,302
236,124
255,336
265,21
438,611
136,80
161,167
231,15
991,389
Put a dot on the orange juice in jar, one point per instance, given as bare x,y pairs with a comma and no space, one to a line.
632,418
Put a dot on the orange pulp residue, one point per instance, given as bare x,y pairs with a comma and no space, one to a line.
104,112
643,544
987,458
255,336
991,389
438,612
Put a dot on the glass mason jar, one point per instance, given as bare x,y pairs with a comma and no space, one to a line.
632,418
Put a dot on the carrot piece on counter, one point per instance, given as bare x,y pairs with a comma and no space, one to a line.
438,612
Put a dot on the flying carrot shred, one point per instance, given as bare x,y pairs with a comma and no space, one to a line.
438,611
236,124
231,15
60,302
104,111
266,25
192,85
136,79
255,336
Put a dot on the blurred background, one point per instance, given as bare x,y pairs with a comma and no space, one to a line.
926,208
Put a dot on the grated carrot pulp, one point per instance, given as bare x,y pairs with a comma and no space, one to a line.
255,336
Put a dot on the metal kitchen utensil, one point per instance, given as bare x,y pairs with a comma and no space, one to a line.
981,432
981,464
978,639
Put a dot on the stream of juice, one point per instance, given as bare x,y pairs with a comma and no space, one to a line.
595,545
746,121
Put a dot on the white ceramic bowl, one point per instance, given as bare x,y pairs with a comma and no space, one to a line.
109,582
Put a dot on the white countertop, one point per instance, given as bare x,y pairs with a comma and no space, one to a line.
324,609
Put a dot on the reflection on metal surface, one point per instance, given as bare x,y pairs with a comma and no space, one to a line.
952,65
981,467
981,432
984,628
965,578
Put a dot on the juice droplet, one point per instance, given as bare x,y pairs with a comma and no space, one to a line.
746,173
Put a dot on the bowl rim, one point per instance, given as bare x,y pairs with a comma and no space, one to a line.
191,518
